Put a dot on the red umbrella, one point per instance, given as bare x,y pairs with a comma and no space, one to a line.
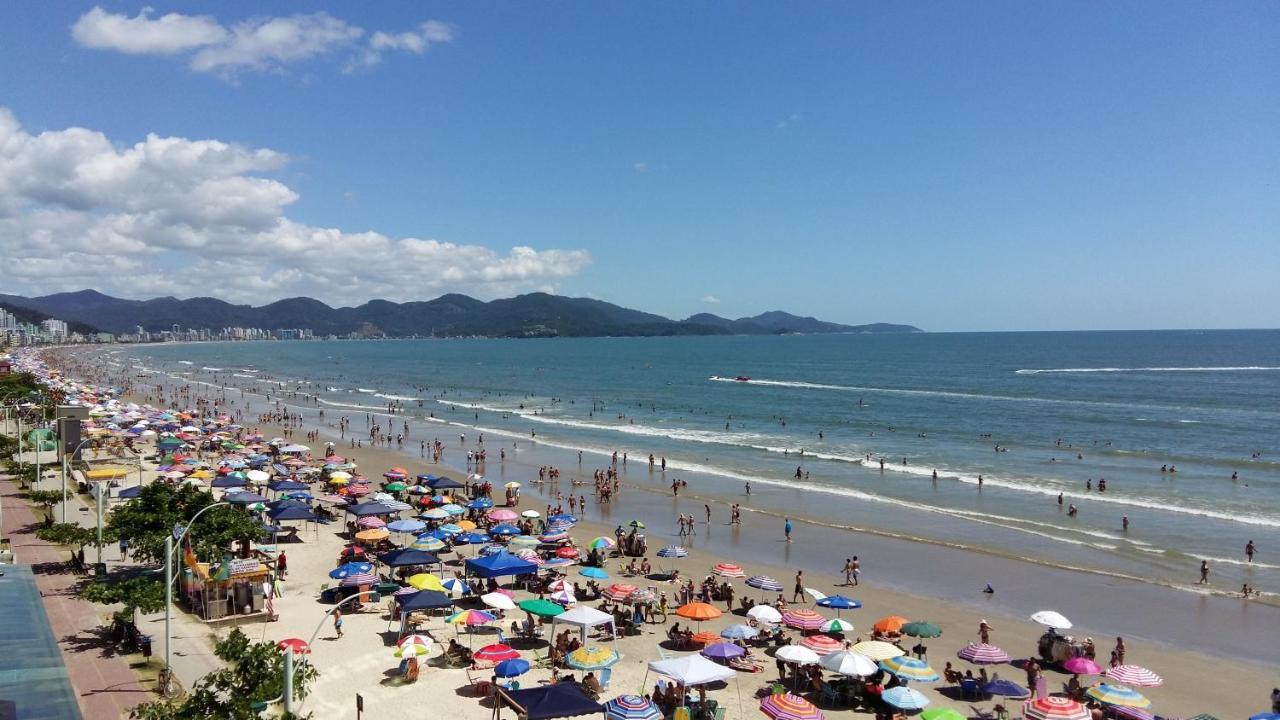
567,552
298,645
496,653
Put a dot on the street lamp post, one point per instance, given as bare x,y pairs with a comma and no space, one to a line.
66,471
169,543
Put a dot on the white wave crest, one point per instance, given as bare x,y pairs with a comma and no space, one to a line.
1241,368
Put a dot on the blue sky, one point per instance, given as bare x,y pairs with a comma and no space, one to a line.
954,166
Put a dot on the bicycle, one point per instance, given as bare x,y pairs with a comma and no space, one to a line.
166,685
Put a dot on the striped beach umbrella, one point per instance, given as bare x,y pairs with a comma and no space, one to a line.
426,542
433,514
413,646
618,592
471,617
822,644
642,595
878,650
496,653
592,657
909,668
786,706
602,543
764,582
358,579
983,654
1118,695
369,522
739,632
728,570
803,619
1054,707
673,551
530,556
455,587
631,707
553,537
1134,676
905,698
523,542
449,529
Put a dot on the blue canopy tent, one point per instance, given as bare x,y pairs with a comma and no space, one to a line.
244,498
227,481
370,508
423,600
292,512
444,483
130,492
287,486
499,565
561,700
407,556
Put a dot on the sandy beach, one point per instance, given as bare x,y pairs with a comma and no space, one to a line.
361,661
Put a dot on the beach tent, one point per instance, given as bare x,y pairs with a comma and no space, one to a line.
499,565
423,600
583,618
370,508
407,556
560,700
287,486
692,670
444,483
292,512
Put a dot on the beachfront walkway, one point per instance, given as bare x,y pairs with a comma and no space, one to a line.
105,686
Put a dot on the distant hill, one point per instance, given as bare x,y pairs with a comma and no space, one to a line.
34,317
531,315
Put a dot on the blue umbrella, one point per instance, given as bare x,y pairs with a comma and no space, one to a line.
504,529
764,582
351,568
244,498
406,526
471,538
562,518
673,551
594,573
905,698
511,668
449,529
1007,688
739,632
839,602
480,504
227,481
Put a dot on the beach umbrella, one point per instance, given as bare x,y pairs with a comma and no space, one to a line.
373,535
941,713
449,529
531,514
358,579
471,617
413,646
631,707
567,552
1054,707
803,619
524,541
553,537
798,654
496,653
1133,675
425,581
1051,618
1118,695
406,526
498,601
822,644
592,657
636,524
787,706
851,664
836,625
1007,688
889,625
369,522
471,538
501,515
504,530
426,542
739,632
619,592
511,668
838,602
351,568
593,573
922,629
480,504
698,611
455,587
1081,665
433,514
905,698
765,583
722,651
673,551
909,668
395,487
728,570
983,654
705,637
878,650
298,645
541,608
642,595
1132,713
765,614
602,543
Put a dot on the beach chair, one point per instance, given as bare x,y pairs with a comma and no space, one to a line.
682,713
969,689
829,695
605,674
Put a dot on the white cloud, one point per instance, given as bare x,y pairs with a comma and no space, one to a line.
166,215
266,44
710,299
641,166
789,120
143,35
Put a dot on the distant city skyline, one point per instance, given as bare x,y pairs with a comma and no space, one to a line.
986,167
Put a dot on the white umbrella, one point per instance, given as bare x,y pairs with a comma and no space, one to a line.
797,654
692,670
498,600
849,663
765,614
1051,618
815,594
257,476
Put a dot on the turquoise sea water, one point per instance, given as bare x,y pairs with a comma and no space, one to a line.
1067,408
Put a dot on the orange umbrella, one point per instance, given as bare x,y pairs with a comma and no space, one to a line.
466,524
891,624
706,637
373,535
698,611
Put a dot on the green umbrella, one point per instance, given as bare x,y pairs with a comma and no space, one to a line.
941,713
921,629
637,524
541,608
395,487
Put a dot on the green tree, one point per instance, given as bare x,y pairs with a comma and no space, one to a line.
148,518
46,498
254,674
144,593
73,535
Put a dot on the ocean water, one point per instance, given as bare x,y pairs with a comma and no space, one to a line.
1065,409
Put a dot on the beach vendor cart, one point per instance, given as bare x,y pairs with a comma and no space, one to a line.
231,589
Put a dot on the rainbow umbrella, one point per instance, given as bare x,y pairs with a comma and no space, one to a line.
602,543
787,706
983,654
471,617
1118,695
631,707
1134,675
592,658
909,668
1054,707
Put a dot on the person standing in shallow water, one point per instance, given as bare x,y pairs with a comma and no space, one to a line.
1204,573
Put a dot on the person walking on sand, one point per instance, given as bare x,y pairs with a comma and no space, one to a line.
786,528
857,567
848,571
337,622
984,631
1204,573
797,593
282,565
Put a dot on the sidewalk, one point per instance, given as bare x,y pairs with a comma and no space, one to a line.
106,687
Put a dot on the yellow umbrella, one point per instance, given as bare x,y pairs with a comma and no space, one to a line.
466,524
426,581
202,475
512,485
877,650
338,481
